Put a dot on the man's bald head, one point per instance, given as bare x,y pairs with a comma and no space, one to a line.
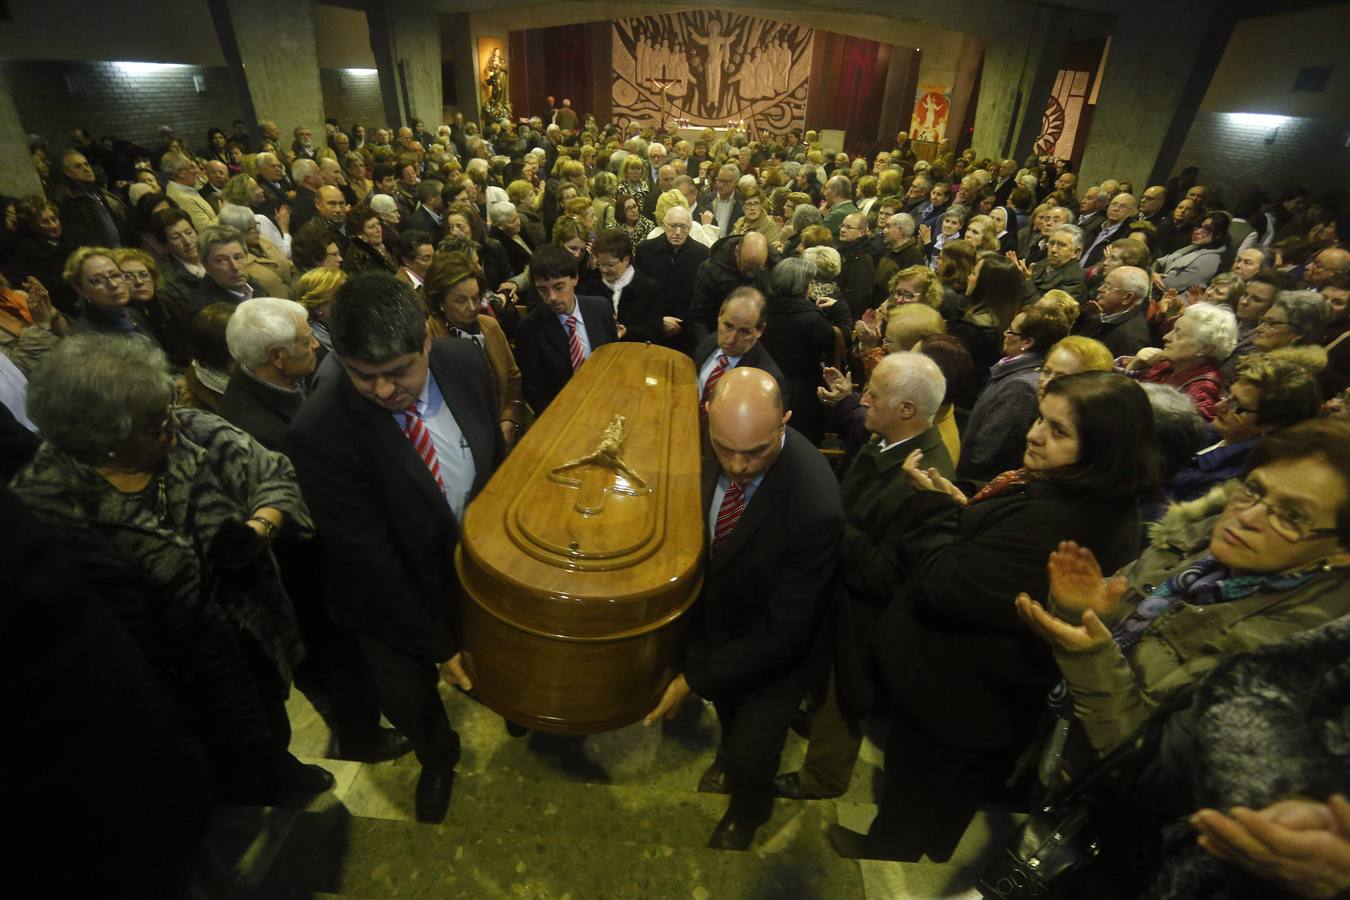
746,423
752,253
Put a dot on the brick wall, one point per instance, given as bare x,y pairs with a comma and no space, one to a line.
352,97
1230,153
110,99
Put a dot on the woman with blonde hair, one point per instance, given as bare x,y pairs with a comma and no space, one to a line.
603,186
1074,354
1062,301
671,199
315,291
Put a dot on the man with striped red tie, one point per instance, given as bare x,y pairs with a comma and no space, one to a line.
562,332
756,642
740,325
388,456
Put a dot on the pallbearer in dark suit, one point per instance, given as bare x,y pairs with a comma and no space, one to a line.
559,334
740,325
388,456
756,643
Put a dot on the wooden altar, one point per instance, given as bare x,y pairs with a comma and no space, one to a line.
584,550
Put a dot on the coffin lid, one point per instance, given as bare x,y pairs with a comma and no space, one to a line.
591,529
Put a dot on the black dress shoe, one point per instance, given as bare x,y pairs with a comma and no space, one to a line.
303,779
801,722
515,730
789,785
852,845
389,744
732,833
715,780
432,799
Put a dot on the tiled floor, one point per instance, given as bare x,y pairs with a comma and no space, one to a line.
611,815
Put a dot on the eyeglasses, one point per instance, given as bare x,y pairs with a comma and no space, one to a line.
1288,524
1268,322
906,296
107,281
1230,401
138,277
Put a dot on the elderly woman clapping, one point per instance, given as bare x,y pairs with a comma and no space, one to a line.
173,511
1192,354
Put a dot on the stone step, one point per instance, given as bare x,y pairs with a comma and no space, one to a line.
334,852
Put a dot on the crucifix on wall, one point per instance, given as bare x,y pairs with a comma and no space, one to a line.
663,84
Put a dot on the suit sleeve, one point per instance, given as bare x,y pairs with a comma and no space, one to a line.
533,371
787,631
644,321
703,305
362,551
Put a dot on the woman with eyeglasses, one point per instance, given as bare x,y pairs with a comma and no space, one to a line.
1295,318
1272,391
105,295
1199,260
755,217
1247,569
142,275
173,511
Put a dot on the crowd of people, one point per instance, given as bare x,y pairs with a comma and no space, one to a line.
250,388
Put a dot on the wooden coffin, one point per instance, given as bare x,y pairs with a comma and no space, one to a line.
583,551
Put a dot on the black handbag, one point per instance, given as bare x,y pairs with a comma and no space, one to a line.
1048,852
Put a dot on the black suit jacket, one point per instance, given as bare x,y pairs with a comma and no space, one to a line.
675,271
304,207
756,627
421,220
641,305
706,204
208,292
541,347
262,410
389,536
758,357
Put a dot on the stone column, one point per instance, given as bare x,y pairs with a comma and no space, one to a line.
1008,87
279,61
1159,66
17,175
415,35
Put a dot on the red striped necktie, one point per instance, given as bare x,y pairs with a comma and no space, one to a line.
728,514
415,430
723,361
574,344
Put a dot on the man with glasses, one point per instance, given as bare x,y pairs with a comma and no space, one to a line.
723,202
1060,269
857,271
672,261
1116,317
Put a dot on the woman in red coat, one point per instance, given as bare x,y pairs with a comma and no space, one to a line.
1202,338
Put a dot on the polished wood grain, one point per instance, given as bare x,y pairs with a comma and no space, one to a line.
576,571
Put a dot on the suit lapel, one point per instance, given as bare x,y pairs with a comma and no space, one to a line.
388,438
480,445
759,510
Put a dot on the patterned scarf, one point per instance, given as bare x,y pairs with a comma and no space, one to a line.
1002,484
1203,583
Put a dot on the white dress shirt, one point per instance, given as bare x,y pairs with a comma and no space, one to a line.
582,334
452,450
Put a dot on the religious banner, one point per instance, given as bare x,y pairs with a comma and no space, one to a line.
1063,114
706,68
931,103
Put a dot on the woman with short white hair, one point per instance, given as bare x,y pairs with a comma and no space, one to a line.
1191,356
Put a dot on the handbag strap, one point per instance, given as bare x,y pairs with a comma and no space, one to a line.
1123,752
